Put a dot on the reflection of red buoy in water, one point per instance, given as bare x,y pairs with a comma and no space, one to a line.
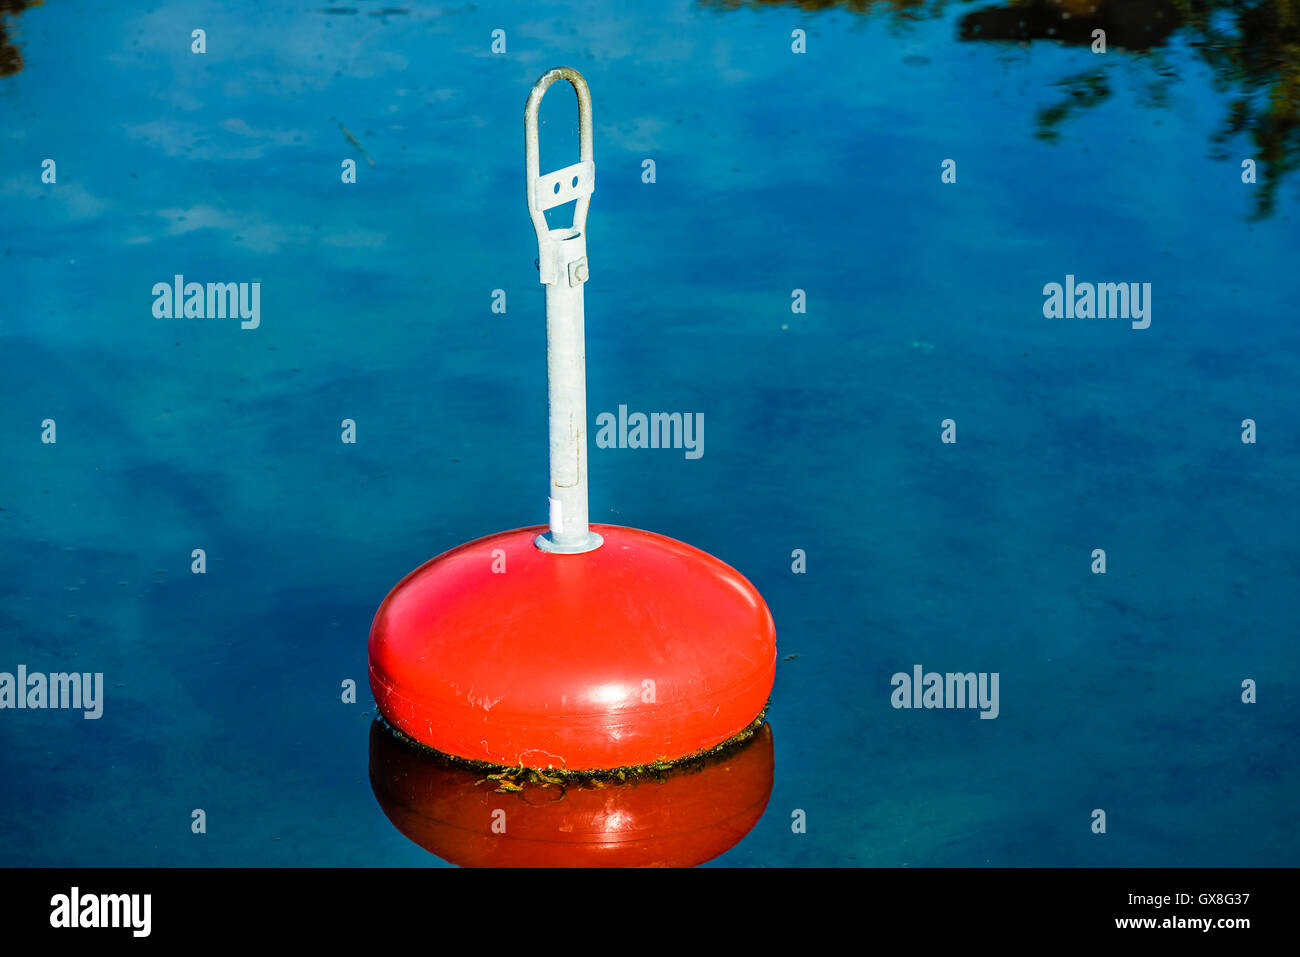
586,647
684,817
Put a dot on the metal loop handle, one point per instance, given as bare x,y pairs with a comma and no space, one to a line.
573,182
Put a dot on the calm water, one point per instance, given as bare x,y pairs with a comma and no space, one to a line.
775,171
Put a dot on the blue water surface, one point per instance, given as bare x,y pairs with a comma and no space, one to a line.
775,171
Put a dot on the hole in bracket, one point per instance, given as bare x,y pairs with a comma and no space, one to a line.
561,217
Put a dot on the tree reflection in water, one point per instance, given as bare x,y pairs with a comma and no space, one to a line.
1253,49
11,61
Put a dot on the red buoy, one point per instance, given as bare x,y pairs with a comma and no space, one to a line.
640,651
574,647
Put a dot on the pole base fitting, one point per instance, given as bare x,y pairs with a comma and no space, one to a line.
547,544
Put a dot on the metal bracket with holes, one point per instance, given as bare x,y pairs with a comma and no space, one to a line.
559,248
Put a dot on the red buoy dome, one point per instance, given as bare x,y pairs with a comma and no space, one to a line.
643,650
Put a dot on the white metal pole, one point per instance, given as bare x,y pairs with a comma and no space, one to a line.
562,267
